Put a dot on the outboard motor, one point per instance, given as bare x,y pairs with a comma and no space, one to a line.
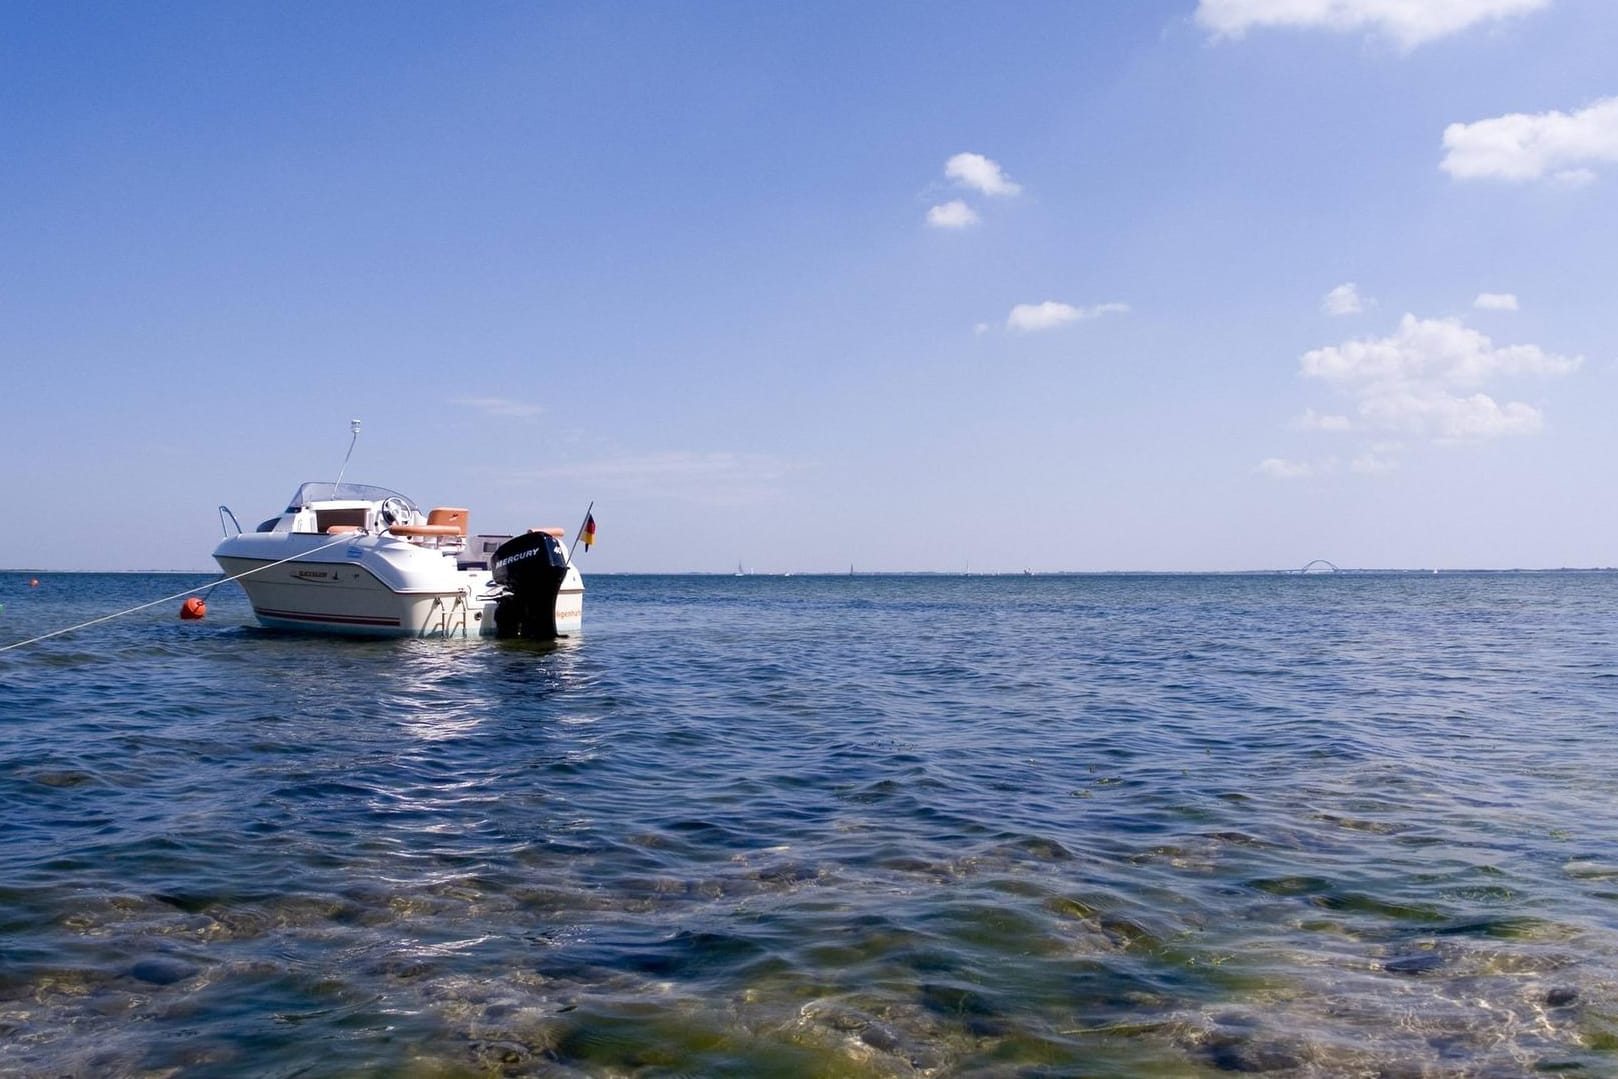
531,567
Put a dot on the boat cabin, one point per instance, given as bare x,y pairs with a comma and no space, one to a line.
334,508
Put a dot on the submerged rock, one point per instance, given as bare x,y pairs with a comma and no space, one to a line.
162,970
1241,1055
1424,963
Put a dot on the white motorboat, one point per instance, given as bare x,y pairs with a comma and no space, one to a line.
354,559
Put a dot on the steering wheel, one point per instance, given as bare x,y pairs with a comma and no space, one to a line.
395,511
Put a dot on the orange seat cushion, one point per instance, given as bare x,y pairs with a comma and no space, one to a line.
426,530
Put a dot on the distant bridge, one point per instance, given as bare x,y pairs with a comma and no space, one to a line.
1319,565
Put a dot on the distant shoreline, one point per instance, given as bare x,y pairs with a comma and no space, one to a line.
1339,572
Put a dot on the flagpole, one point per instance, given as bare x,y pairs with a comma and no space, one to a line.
580,533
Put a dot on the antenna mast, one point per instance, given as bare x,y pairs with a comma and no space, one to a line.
353,425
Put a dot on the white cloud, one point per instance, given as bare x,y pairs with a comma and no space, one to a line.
1282,469
1409,22
1343,300
500,406
954,214
1429,379
1411,381
980,174
1033,317
1314,421
1520,147
1495,301
1571,178
1383,457
1449,418
1441,351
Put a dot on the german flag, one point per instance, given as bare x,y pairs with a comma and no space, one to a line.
589,530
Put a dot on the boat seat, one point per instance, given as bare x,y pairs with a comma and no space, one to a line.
444,522
448,515
425,530
337,530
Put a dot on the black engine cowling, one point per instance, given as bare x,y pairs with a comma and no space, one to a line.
531,567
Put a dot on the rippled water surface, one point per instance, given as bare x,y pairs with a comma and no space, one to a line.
823,826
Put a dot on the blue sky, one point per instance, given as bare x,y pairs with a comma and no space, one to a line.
1172,285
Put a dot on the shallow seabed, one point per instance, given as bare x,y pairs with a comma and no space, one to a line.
1323,825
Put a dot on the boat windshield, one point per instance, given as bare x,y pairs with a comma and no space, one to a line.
321,491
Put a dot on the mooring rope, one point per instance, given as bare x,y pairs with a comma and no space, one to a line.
346,538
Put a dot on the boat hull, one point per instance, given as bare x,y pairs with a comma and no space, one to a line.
348,599
372,586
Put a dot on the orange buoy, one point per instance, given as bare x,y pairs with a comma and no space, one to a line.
34,583
192,610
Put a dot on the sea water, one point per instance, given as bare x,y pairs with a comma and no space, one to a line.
1333,824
